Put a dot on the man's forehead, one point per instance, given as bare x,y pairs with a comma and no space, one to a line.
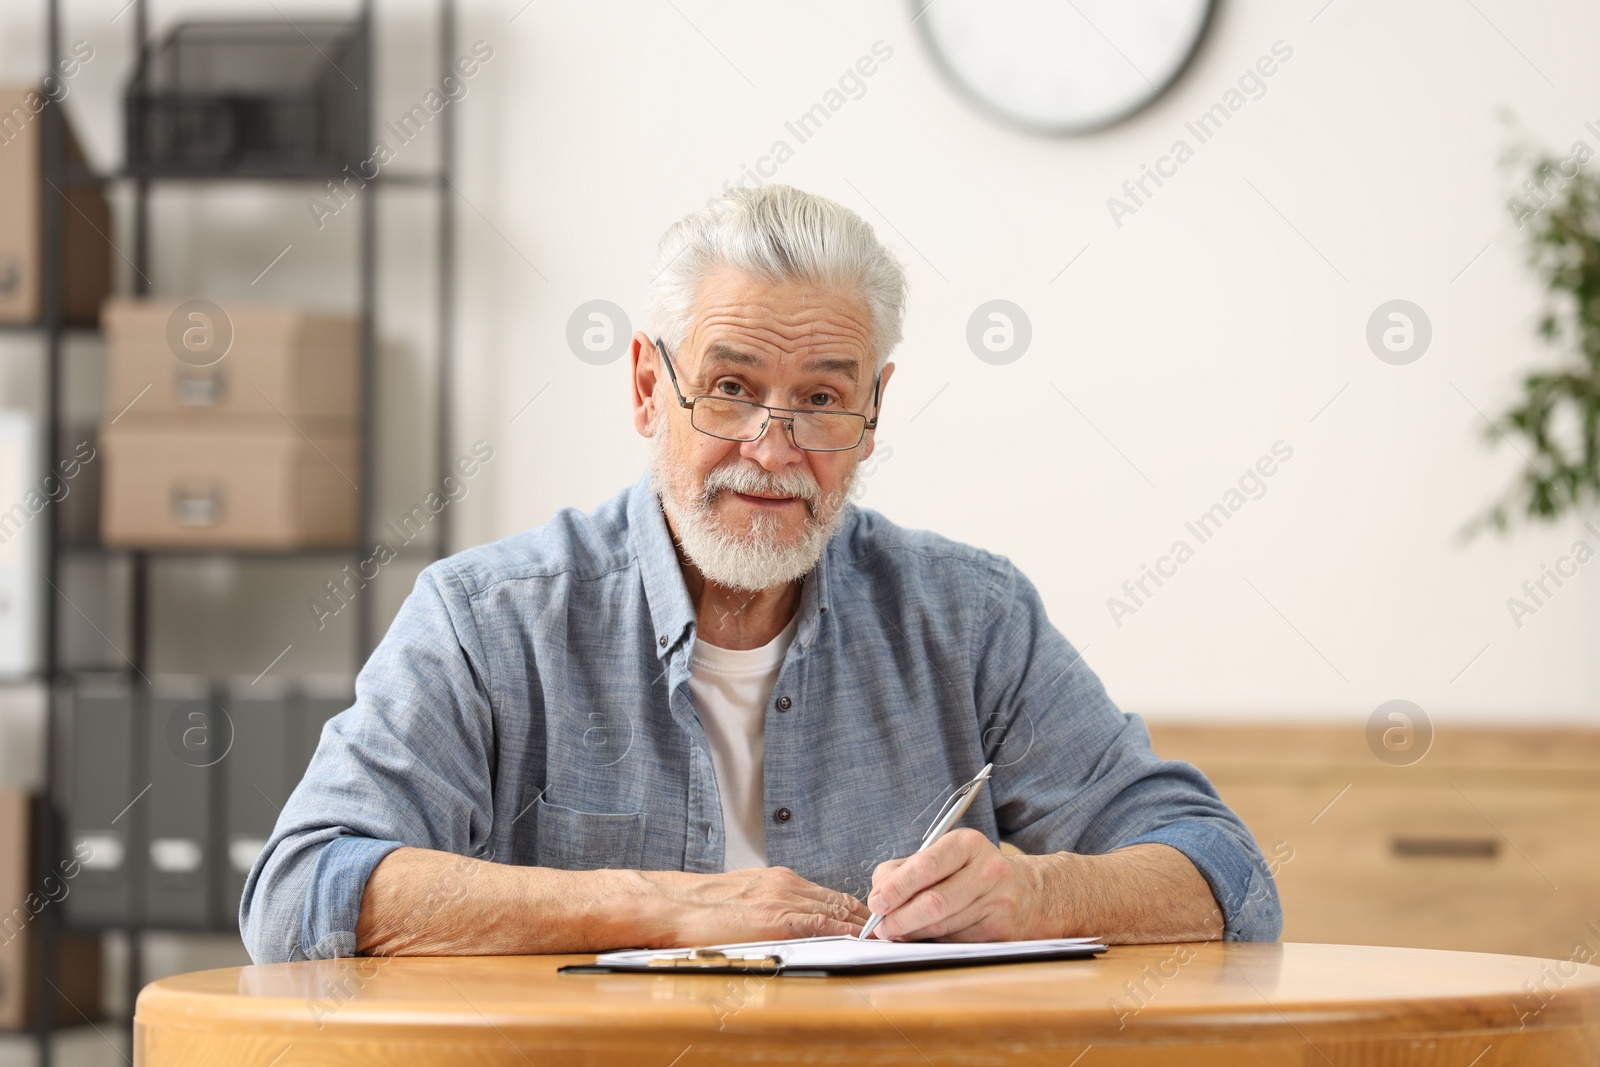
827,358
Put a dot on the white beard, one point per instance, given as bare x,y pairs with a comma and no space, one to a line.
755,558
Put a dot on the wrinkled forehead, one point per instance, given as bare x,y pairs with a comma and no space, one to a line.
756,326
720,356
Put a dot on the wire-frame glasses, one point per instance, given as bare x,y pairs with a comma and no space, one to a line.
744,420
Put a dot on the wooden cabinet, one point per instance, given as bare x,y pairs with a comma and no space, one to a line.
1490,842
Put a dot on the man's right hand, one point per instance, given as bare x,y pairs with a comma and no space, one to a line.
755,904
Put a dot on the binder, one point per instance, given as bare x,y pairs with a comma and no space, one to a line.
821,957
257,778
99,797
189,734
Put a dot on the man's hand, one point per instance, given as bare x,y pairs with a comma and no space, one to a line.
963,888
757,904
960,888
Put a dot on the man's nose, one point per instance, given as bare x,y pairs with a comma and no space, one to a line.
774,449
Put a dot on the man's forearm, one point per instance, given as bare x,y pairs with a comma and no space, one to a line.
1142,893
424,903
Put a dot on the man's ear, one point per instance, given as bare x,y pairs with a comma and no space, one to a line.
646,362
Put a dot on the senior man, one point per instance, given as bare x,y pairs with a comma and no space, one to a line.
726,704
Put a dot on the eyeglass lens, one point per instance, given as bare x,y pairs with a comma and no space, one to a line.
736,420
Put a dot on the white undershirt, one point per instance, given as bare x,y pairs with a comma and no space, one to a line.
730,689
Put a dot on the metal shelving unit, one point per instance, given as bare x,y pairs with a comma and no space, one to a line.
55,675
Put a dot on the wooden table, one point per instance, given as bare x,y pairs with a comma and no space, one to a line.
1233,1004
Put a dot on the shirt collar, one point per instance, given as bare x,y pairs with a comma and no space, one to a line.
671,612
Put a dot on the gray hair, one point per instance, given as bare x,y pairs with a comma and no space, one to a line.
776,233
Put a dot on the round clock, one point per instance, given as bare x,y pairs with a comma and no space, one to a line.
1063,66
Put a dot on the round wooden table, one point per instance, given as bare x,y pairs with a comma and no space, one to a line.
1199,1004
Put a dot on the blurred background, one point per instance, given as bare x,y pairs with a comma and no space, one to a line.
1221,326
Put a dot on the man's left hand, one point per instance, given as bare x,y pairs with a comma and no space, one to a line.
961,888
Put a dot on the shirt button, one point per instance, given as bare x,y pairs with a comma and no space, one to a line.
784,703
663,641
782,814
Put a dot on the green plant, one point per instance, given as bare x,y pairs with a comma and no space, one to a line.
1557,418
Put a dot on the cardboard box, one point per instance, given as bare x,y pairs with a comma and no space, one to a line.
230,364
23,900
85,218
168,486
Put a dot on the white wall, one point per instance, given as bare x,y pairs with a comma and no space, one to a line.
1193,337
1190,339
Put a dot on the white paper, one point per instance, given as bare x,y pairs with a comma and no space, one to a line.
845,951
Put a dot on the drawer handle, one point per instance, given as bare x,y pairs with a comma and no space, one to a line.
199,389
192,507
1450,848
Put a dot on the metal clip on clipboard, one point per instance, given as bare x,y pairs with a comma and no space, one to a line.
706,959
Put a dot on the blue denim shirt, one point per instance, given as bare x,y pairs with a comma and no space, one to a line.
530,704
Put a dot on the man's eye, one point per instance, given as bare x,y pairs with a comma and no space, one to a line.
729,388
821,400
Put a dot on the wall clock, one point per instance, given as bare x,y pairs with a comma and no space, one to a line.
1062,66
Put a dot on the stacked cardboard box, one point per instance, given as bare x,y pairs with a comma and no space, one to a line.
229,426
85,218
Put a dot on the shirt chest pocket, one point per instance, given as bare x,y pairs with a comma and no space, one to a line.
573,840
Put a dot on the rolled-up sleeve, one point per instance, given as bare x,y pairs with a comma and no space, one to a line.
1075,774
408,764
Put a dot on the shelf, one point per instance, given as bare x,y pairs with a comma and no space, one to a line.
85,549
423,180
143,572
39,327
405,553
223,926
60,1029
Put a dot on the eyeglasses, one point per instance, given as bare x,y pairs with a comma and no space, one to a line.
742,420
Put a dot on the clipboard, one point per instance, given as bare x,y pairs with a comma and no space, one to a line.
822,957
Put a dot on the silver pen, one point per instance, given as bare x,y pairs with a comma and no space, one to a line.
954,808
